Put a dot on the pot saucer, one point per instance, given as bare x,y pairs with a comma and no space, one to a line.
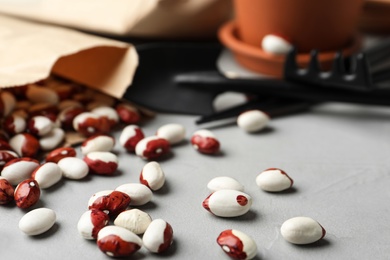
257,60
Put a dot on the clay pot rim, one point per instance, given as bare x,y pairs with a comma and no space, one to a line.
227,34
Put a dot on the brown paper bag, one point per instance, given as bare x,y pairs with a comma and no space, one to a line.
146,18
31,52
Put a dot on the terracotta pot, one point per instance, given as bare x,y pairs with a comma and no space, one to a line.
322,24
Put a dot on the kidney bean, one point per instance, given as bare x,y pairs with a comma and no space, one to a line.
237,244
90,124
52,140
152,148
6,156
302,230
102,163
224,183
110,202
27,193
274,180
205,142
130,137
118,242
7,103
139,193
134,220
98,143
66,116
91,222
25,145
152,176
174,133
253,120
107,112
228,203
37,94
40,125
47,175
19,169
128,114
37,221
60,153
13,124
158,236
6,191
73,168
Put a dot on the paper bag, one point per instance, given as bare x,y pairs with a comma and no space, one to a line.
145,18
30,52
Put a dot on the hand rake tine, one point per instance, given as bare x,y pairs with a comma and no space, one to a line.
313,69
362,71
290,64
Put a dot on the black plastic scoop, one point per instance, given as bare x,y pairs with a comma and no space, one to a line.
154,86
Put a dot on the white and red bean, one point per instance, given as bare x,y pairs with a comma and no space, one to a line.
224,183
228,203
91,222
14,124
152,148
47,175
158,237
274,180
109,201
6,191
98,143
25,145
19,169
60,153
37,221
205,142
130,136
27,193
127,113
52,140
107,112
135,220
302,230
152,176
73,168
139,193
237,244
101,163
40,125
118,242
253,120
173,133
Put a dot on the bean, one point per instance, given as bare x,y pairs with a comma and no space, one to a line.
228,203
130,136
302,230
152,176
118,242
152,148
52,140
37,221
134,220
139,193
237,244
73,168
158,237
47,175
110,202
19,169
128,114
274,180
205,142
24,144
98,143
173,133
253,120
27,193
224,183
102,163
91,222
6,191
60,153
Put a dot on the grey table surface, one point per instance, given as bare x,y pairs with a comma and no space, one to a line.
337,154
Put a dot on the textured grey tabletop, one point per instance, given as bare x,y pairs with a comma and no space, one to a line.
337,154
